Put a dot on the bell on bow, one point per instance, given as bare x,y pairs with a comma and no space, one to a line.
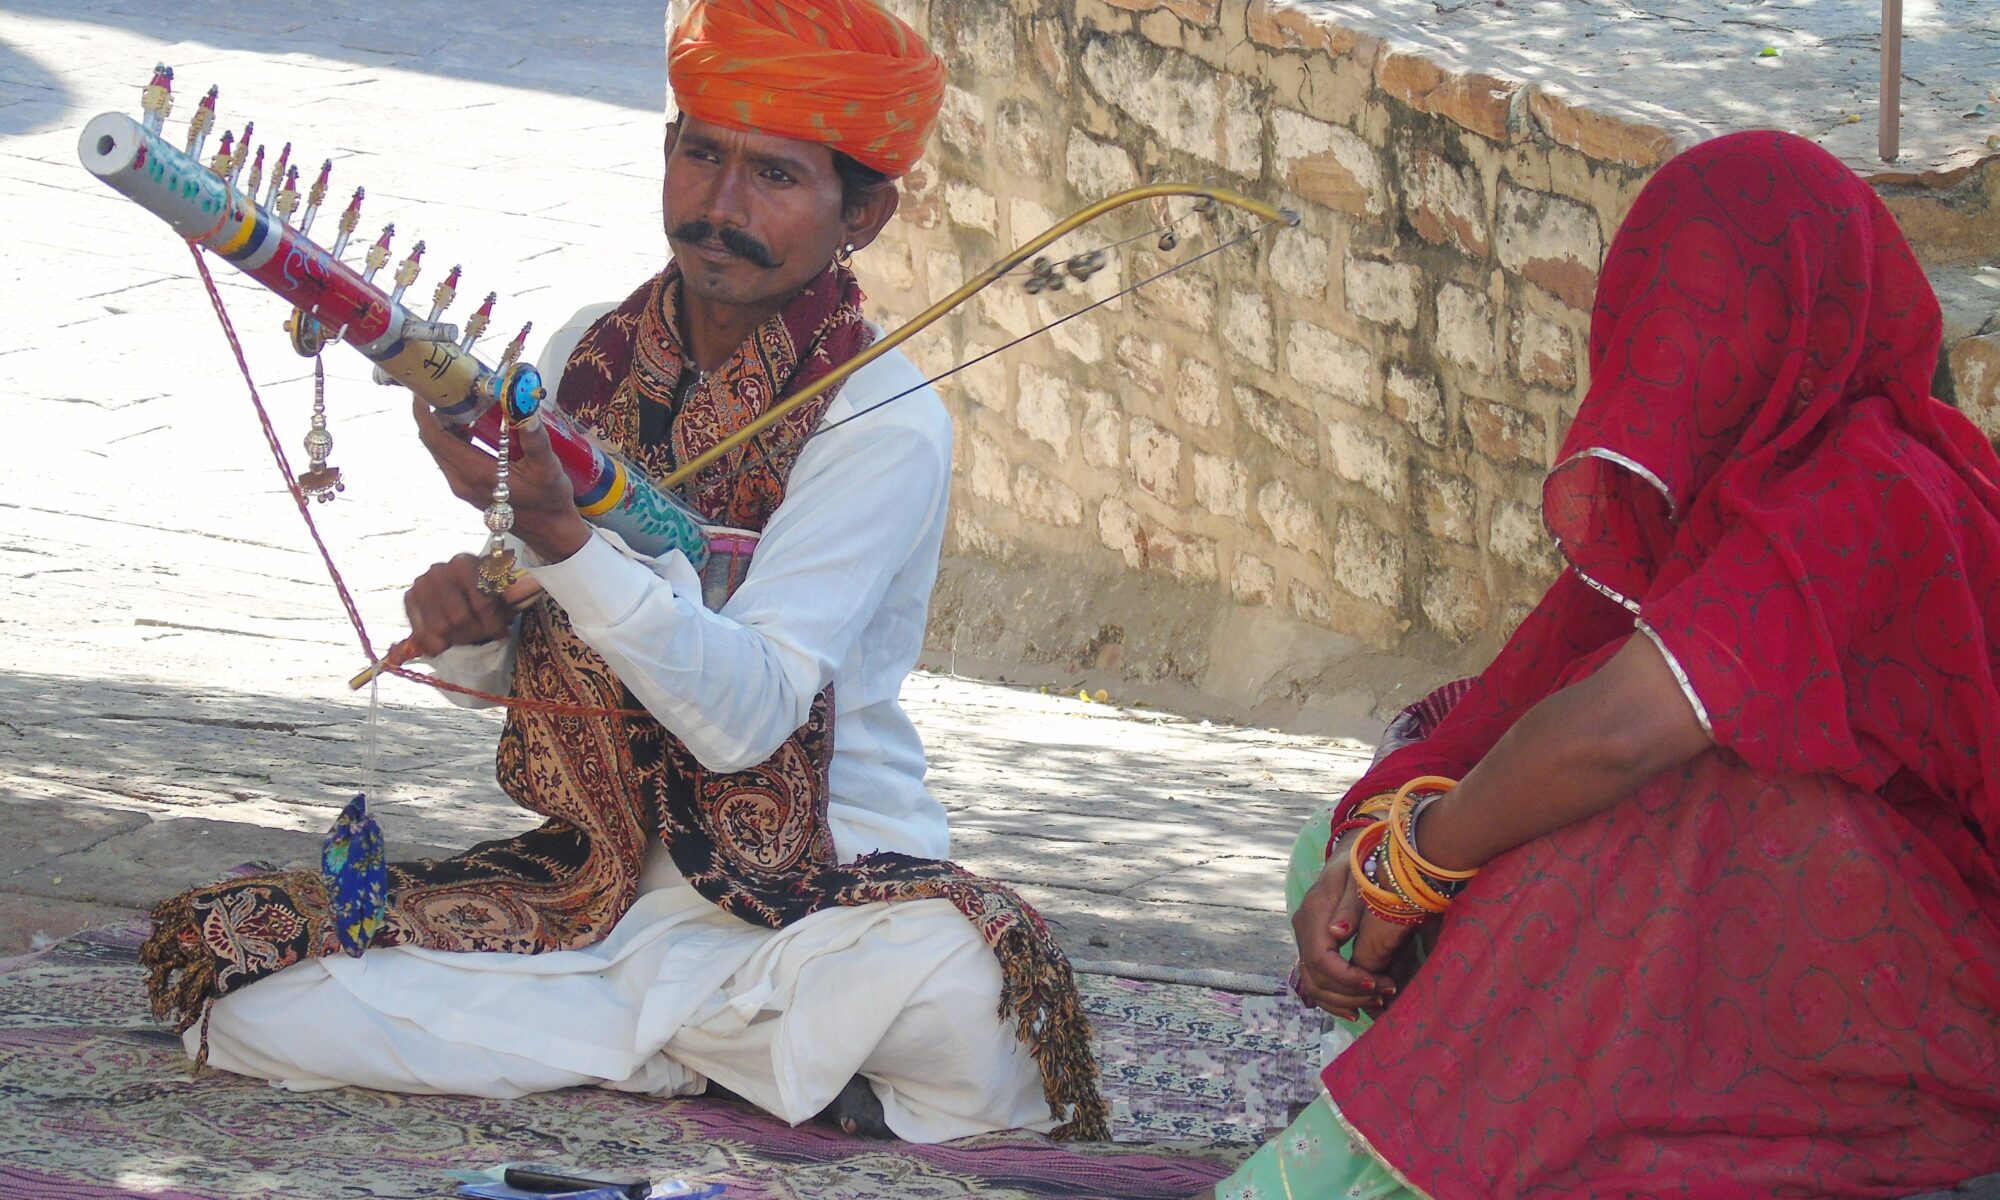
1082,266
1042,277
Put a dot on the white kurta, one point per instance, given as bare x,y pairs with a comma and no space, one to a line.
680,992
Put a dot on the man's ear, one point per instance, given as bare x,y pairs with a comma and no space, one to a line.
673,134
865,221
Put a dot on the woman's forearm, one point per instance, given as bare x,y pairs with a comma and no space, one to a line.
1576,753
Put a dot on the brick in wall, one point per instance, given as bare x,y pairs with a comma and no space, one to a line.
1367,560
1189,106
1543,351
1383,292
1252,580
1454,602
1097,169
1413,397
1361,457
1044,408
1551,241
1444,202
1278,422
1156,460
1328,164
1103,428
1505,434
1465,329
1247,330
1448,505
1301,263
1198,394
1037,497
1329,365
1220,484
1292,520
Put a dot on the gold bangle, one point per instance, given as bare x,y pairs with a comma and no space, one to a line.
1382,902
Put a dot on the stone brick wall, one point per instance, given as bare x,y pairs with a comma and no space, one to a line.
1300,476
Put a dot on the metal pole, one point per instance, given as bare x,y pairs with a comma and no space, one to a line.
1889,136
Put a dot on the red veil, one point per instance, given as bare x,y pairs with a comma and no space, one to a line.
1777,970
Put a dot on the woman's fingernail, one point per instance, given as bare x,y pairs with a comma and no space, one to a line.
1369,984
1340,928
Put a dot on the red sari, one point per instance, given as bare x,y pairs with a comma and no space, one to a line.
1776,970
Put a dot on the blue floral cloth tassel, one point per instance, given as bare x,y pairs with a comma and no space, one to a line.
357,877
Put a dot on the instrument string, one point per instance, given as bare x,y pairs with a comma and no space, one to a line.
829,427
278,452
974,361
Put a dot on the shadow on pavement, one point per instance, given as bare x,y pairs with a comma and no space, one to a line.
517,45
32,96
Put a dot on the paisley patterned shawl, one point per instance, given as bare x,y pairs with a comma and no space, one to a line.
757,842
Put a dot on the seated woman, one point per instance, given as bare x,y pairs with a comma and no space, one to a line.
1732,790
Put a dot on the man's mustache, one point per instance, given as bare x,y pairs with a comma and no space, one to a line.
734,240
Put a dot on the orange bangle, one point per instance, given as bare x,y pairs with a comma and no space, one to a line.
1401,842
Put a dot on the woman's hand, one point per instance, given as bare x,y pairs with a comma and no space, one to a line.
545,516
1330,914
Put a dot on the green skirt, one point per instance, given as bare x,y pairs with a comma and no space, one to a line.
1317,1156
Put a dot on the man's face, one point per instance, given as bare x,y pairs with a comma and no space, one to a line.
751,217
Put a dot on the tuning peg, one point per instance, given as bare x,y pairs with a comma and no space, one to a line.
278,176
475,326
225,157
202,121
256,175
158,99
350,218
316,197
1168,240
288,196
445,294
512,354
242,153
378,254
406,272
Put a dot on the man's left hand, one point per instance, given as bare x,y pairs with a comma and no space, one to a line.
545,516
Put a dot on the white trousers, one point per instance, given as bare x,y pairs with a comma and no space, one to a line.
679,993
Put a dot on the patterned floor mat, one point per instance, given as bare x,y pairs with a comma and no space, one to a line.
95,1102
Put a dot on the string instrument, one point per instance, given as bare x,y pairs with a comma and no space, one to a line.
332,301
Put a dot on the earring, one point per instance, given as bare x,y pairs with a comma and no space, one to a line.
845,255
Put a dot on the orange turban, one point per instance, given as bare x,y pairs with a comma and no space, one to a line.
839,72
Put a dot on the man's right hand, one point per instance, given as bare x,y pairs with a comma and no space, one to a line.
446,608
1326,920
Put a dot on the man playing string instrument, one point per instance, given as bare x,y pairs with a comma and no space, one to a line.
708,898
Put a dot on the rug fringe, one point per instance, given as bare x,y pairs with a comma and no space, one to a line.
180,972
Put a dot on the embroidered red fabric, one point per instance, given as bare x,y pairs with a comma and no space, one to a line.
1777,970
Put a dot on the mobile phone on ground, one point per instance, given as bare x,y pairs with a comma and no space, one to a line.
538,1178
